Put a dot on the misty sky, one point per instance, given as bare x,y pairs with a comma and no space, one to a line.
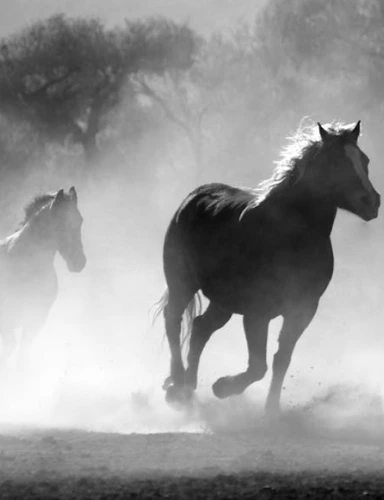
205,16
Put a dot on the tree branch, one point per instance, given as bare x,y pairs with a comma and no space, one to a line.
36,94
167,110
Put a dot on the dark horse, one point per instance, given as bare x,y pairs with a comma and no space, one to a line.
28,285
261,253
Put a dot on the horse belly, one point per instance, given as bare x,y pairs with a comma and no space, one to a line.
269,284
243,289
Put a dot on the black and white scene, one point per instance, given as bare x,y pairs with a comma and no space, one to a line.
191,249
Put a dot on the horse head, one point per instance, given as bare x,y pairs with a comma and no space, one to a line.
67,229
344,173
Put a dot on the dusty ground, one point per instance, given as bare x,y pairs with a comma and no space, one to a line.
269,463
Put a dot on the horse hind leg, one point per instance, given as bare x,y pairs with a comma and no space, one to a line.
178,300
256,332
203,327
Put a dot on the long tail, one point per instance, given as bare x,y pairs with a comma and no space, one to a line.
193,309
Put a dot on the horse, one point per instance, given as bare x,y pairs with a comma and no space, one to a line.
261,253
29,284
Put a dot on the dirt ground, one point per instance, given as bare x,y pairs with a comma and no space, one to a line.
59,464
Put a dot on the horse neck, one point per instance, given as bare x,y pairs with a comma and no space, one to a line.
318,210
35,240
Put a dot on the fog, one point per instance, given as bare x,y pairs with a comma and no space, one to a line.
98,364
217,14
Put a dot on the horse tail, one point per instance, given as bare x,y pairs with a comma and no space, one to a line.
193,309
159,306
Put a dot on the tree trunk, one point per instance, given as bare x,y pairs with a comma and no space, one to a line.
196,142
88,137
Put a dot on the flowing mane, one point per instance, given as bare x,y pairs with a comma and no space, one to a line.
278,262
302,148
34,206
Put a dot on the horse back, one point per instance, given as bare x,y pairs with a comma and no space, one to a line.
208,218
208,238
246,252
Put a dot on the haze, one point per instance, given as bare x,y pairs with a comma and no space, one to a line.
98,364
207,16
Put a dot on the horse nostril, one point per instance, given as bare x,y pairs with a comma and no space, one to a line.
365,199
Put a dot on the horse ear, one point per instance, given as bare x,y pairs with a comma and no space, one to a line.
59,197
73,194
323,133
356,132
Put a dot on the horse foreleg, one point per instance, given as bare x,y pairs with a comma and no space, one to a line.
256,332
203,326
294,325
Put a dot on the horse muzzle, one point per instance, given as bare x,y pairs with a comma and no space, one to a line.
368,206
77,265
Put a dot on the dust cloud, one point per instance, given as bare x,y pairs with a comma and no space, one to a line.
99,364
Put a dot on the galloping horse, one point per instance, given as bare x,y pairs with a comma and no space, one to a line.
261,253
28,280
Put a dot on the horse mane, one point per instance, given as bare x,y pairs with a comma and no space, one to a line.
302,148
34,206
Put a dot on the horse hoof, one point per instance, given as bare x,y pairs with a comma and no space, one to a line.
177,396
167,382
225,387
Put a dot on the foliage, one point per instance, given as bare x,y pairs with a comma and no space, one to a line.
161,100
65,76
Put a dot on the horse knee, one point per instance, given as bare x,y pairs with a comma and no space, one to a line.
257,370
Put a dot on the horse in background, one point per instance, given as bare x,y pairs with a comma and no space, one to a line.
261,253
28,280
